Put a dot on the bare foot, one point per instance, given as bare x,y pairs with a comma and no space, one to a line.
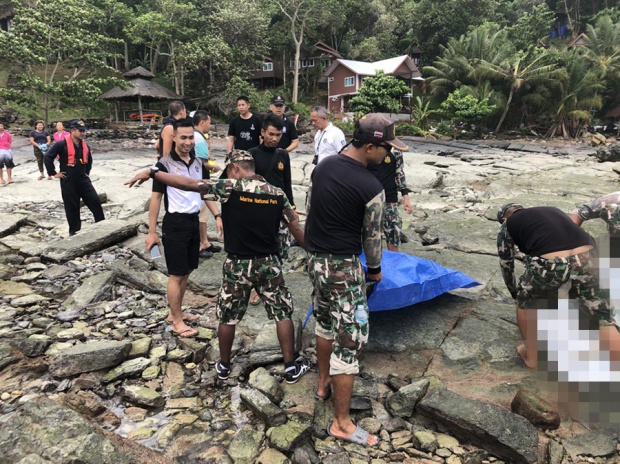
522,350
188,317
324,389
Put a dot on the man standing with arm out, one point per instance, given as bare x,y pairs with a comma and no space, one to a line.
392,176
328,140
180,230
344,217
76,161
202,124
290,139
252,210
274,164
244,130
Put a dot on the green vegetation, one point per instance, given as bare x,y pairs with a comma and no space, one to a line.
59,56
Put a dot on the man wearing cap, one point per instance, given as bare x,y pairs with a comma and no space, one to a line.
606,208
252,210
289,140
76,161
345,217
328,140
392,176
557,252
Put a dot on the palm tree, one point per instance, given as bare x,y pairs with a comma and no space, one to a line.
520,70
603,44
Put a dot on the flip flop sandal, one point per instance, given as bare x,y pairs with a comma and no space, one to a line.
213,248
325,397
255,302
359,436
10,181
188,318
41,177
184,331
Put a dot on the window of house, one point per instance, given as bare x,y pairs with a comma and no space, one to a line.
268,66
307,63
349,81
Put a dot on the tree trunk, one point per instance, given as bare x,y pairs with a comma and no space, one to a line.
501,120
126,54
296,71
47,107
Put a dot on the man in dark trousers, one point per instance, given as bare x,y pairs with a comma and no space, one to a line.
557,252
345,217
274,164
75,158
252,210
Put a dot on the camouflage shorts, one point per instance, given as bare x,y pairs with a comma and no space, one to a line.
392,224
539,285
339,288
263,274
284,240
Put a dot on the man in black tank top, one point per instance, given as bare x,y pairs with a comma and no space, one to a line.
557,252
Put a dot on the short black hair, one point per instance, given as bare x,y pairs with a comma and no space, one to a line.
274,121
244,98
175,107
199,116
183,122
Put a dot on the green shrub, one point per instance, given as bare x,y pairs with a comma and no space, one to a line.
444,129
405,128
345,126
300,108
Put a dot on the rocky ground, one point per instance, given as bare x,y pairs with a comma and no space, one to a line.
90,371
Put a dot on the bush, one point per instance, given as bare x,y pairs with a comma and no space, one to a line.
404,128
300,108
344,126
444,129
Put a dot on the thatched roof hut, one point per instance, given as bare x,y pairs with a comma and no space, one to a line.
141,88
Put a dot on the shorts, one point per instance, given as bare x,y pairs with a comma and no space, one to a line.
6,159
181,241
339,288
392,224
539,285
240,276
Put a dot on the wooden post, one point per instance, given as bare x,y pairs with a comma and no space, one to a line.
140,108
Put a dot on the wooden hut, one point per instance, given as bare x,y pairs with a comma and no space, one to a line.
142,89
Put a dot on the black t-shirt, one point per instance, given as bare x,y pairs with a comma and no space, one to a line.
545,229
386,174
251,221
41,137
246,132
341,188
168,120
289,133
280,173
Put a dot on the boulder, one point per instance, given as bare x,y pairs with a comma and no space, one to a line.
595,444
289,436
93,289
506,435
266,384
268,412
246,445
88,357
402,403
143,396
127,369
539,412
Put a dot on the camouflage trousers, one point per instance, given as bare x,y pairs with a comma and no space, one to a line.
338,289
262,274
539,285
284,240
392,224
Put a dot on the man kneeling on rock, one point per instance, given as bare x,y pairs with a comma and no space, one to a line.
251,214
557,252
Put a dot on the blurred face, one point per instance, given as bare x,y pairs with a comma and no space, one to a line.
271,136
205,126
183,114
60,127
243,107
78,134
40,126
277,109
1,127
184,140
375,154
318,122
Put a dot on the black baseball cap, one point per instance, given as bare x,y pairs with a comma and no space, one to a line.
278,100
77,124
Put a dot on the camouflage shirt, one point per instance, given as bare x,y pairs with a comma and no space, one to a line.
606,208
506,252
220,190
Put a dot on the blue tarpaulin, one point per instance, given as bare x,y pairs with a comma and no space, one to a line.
408,280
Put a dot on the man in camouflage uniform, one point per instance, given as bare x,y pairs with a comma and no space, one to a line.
392,176
606,208
251,214
557,252
344,217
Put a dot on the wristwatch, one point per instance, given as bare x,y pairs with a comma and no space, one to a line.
217,216
153,169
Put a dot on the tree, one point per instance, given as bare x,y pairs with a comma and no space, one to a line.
380,93
58,47
531,26
462,107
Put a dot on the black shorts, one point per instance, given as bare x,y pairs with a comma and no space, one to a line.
181,241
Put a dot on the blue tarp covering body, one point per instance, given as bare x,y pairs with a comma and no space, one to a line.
408,280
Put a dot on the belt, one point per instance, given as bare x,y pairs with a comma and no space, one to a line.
182,215
247,257
334,256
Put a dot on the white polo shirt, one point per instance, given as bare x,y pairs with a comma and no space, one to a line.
328,142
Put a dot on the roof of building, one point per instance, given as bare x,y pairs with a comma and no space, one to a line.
141,84
364,68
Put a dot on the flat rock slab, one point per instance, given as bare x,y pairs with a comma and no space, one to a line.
88,357
268,412
9,223
93,289
506,435
596,444
91,238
